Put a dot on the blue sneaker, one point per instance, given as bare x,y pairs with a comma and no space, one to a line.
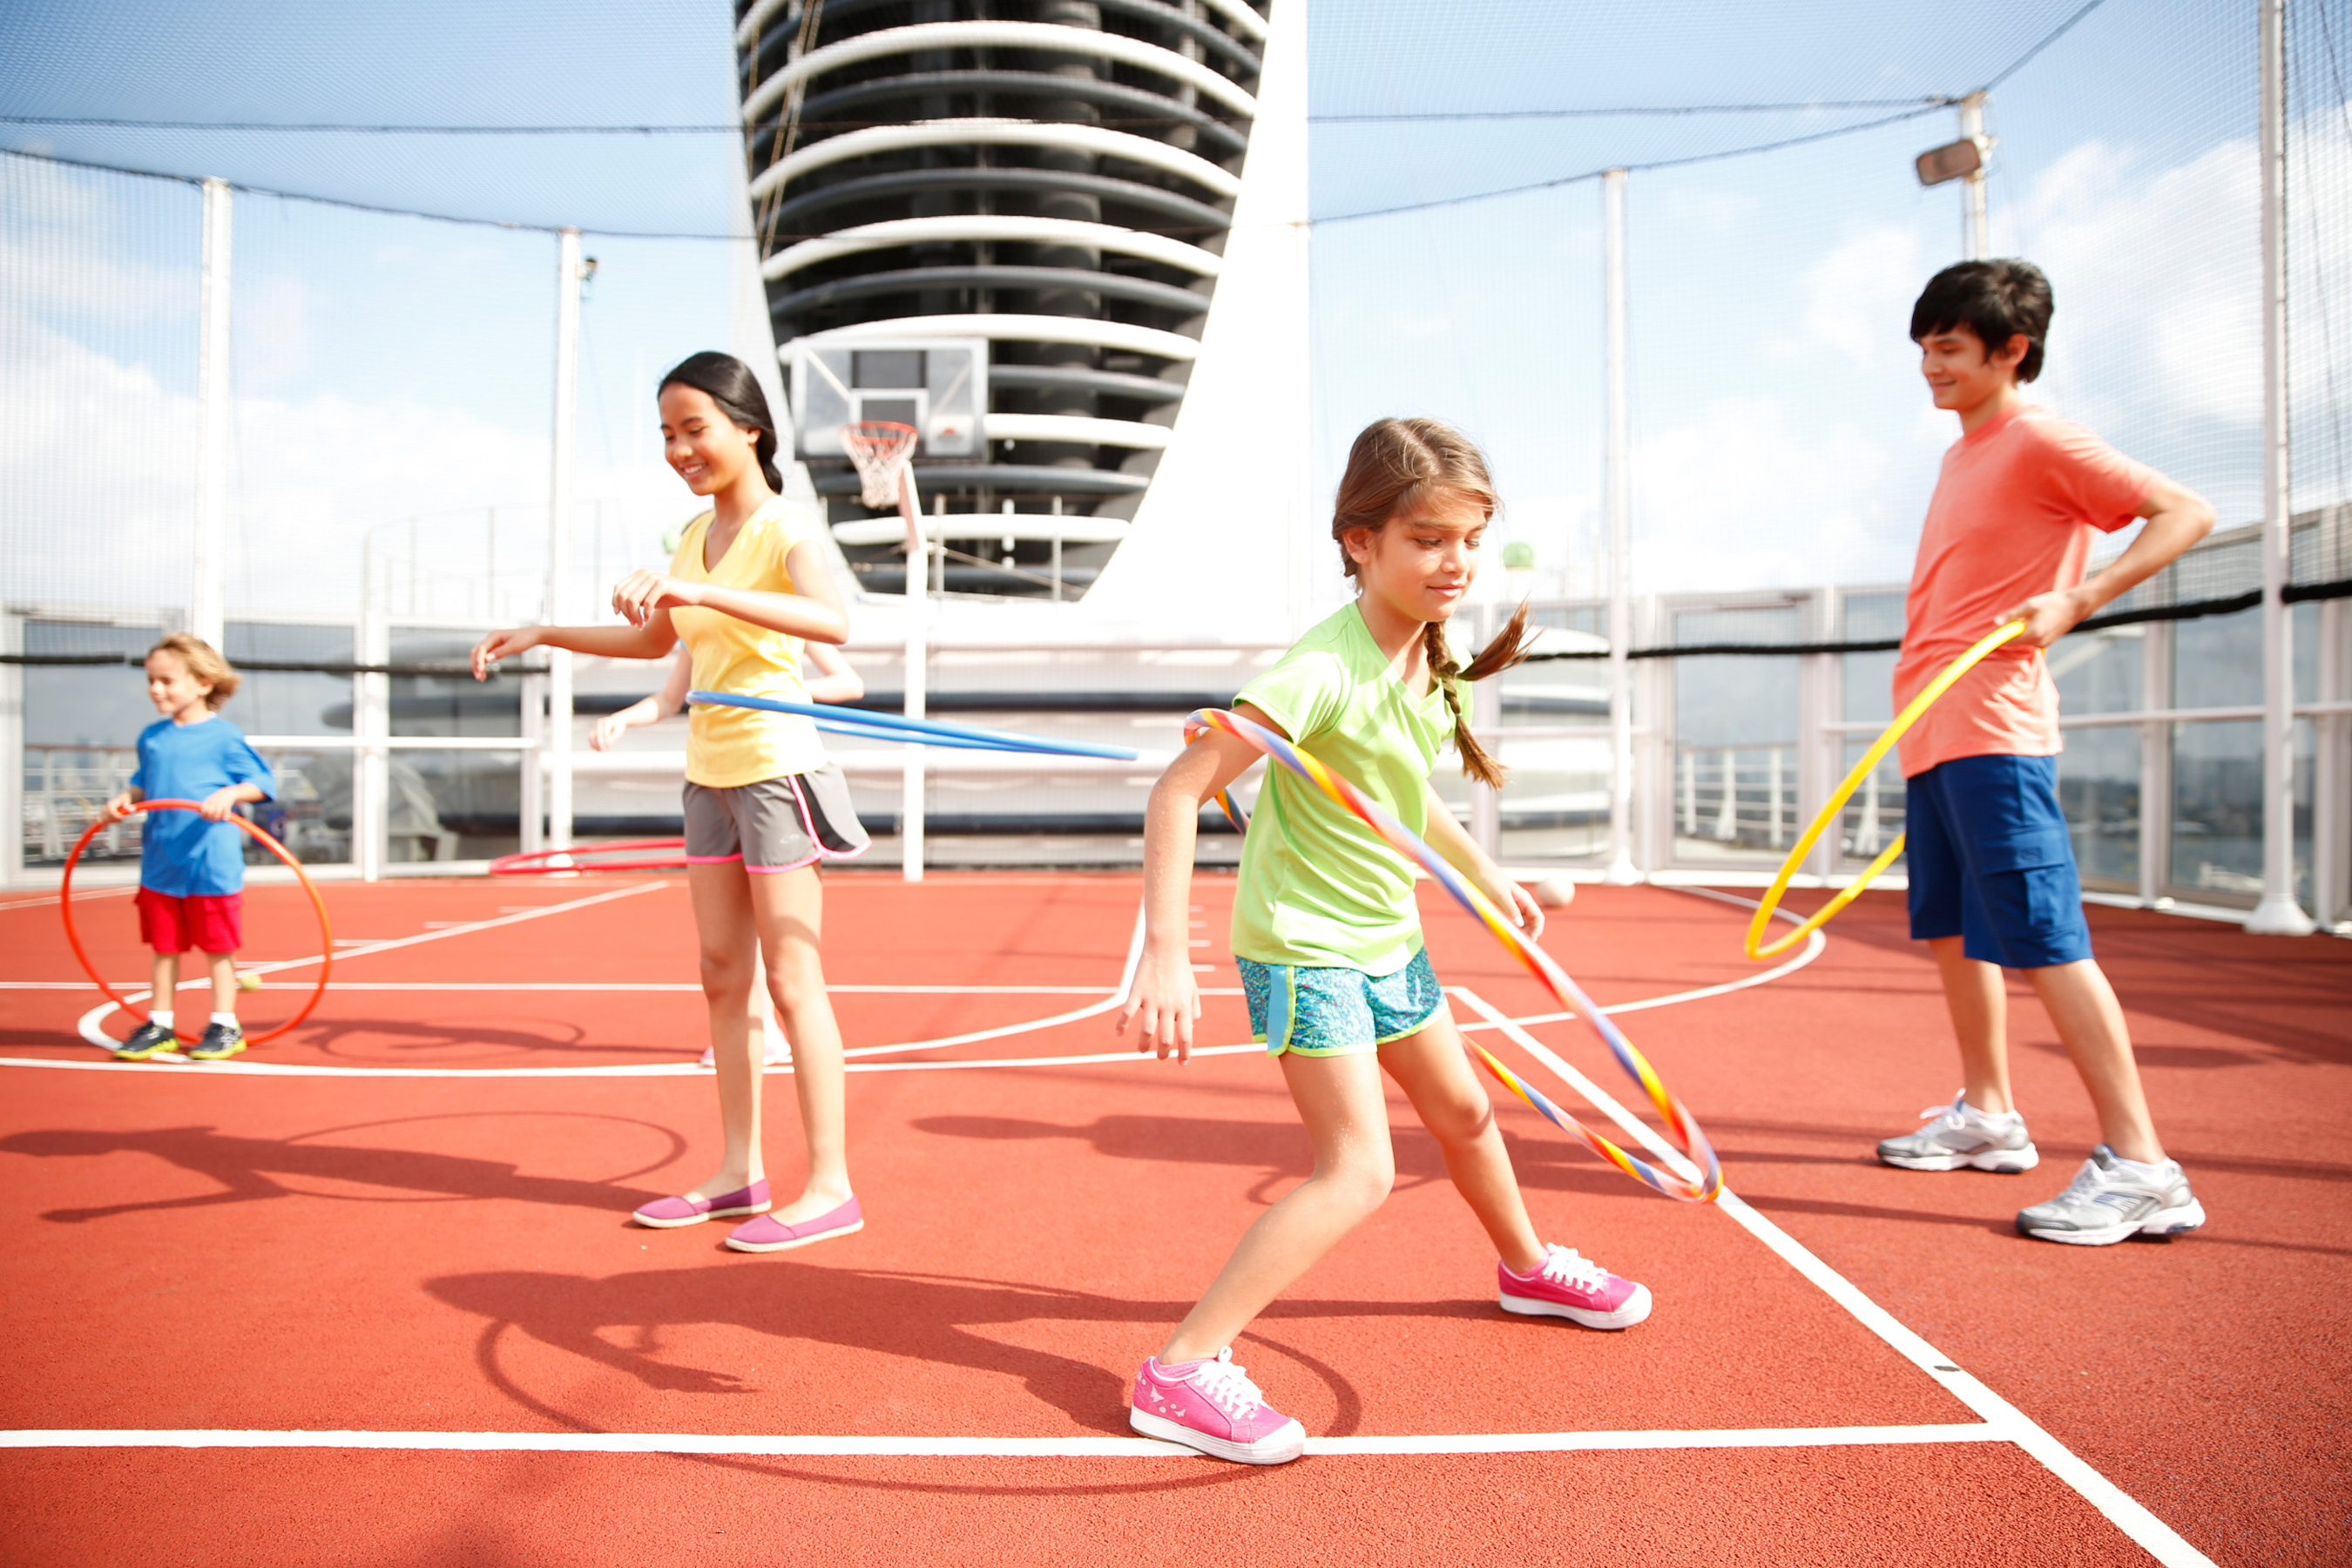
145,1041
221,1042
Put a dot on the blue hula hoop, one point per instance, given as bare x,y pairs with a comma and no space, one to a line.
921,731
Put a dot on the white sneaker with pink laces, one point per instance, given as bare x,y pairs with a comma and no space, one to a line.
1576,1288
1212,1406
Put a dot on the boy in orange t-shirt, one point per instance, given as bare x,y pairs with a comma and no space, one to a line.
1993,884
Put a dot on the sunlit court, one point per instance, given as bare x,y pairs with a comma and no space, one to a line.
1170,781
372,1295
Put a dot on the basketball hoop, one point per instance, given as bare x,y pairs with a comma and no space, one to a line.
881,448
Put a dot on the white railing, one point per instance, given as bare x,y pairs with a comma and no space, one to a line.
1743,796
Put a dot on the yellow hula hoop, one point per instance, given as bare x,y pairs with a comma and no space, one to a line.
1755,946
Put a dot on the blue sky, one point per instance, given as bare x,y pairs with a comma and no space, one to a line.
392,366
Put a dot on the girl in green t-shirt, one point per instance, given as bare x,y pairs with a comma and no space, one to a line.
1328,940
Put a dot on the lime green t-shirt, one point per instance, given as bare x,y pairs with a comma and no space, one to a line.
1318,887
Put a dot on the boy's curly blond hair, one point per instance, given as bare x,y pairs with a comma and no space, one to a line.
205,662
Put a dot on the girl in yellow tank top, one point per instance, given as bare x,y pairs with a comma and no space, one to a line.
749,579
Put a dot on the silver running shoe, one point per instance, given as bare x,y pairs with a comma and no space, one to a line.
2105,1205
1959,1134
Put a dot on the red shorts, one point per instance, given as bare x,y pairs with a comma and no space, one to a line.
209,922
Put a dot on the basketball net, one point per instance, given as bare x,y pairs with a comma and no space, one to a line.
881,448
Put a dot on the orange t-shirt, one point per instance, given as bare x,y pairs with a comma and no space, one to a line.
2011,517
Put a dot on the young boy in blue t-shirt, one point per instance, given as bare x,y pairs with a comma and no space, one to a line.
191,864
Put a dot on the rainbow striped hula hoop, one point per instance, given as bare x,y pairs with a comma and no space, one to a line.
1408,844
1756,947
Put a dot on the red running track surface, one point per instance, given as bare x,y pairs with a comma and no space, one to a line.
197,1249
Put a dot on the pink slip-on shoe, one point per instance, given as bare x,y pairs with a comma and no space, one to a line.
768,1234
1576,1288
1212,1406
669,1213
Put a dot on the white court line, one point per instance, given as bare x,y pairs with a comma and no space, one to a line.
1092,1010
34,903
1811,951
673,987
2005,1421
89,1023
638,1069
991,1447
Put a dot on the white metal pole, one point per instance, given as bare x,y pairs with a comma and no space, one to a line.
2278,914
208,591
1616,462
12,753
918,569
1976,226
371,722
557,739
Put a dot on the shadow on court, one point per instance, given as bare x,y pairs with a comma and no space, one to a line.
252,1169
1545,1164
617,1322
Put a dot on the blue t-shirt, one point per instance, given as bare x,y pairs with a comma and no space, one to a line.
180,853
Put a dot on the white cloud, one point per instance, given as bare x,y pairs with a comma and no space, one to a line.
69,249
97,495
1753,494
1857,298
2158,274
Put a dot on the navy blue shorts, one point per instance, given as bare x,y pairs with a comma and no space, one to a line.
1990,862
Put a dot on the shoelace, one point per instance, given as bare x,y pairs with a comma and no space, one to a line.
1948,1115
1562,1266
2088,1181
1228,1386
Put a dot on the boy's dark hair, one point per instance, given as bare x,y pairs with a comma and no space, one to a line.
1997,300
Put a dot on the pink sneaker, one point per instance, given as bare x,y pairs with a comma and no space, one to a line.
1211,1405
1574,1288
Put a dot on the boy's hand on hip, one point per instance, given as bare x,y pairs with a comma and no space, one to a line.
218,804
2047,616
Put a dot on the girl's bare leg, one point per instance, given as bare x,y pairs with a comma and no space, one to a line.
1346,1113
724,921
1435,1072
791,906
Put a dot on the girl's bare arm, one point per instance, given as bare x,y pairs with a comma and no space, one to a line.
1460,851
814,614
650,640
837,681
672,697
1165,998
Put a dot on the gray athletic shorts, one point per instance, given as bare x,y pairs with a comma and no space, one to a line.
775,825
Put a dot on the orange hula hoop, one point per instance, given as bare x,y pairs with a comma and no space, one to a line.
326,927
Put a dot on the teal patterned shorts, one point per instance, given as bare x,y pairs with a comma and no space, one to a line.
1336,1012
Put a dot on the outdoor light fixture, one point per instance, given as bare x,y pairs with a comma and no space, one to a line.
1952,160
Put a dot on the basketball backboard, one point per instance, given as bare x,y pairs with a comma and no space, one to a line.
938,385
